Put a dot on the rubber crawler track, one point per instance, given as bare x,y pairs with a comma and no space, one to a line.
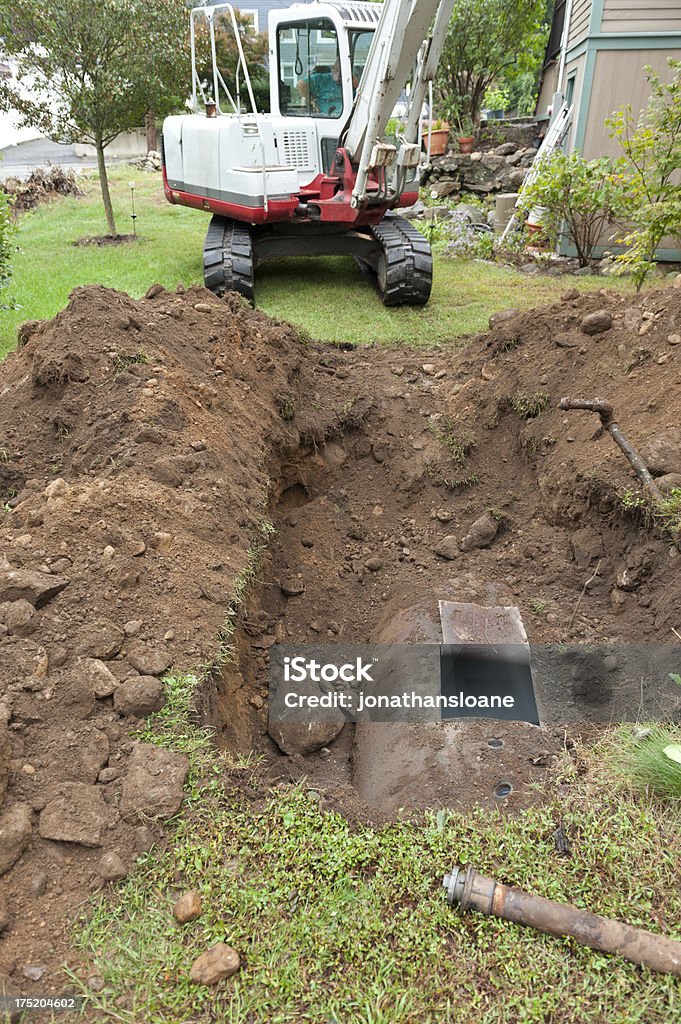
406,276
228,258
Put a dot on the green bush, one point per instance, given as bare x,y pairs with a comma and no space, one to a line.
7,230
580,198
651,145
643,760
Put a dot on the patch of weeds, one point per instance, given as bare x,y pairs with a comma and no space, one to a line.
459,446
668,511
536,605
638,357
507,345
536,446
448,482
528,407
641,758
286,407
122,362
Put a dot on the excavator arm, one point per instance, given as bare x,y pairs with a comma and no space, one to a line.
407,44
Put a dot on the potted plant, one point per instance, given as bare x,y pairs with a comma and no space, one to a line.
439,137
466,138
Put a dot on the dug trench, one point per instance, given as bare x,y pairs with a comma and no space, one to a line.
165,457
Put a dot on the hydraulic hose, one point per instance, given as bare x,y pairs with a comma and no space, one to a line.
473,891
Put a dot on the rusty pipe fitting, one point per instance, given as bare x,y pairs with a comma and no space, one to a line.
473,891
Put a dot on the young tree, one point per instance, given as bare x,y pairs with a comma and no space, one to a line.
652,156
89,71
484,39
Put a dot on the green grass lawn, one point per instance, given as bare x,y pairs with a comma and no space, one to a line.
329,298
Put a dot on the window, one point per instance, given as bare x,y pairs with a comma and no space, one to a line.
310,81
251,14
360,42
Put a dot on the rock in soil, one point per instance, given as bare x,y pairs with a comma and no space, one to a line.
447,548
149,661
596,323
481,534
153,785
4,915
110,866
662,452
15,832
188,907
139,696
27,585
77,814
304,738
218,962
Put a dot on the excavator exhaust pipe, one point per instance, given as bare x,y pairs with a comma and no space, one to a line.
472,891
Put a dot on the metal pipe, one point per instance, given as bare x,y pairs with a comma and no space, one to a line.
473,891
607,415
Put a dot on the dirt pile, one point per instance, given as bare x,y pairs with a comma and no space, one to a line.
39,187
142,446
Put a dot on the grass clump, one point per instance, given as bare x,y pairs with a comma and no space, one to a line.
642,757
458,445
528,407
668,511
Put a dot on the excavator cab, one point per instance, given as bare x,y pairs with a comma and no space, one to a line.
314,175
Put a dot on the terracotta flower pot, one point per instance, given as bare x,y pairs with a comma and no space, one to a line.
466,143
439,137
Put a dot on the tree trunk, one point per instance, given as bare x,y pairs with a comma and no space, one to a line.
104,185
152,134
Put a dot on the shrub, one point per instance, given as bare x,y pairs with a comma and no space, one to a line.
580,198
652,155
7,230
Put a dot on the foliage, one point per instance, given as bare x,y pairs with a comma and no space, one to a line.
87,72
522,91
7,230
580,197
496,99
484,39
651,146
255,47
642,761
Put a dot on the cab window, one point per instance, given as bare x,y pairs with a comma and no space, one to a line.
310,81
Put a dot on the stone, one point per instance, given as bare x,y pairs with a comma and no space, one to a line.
148,660
15,832
292,587
167,472
188,907
110,866
447,548
472,213
587,545
501,317
481,534
596,323
139,696
569,295
505,149
132,627
87,750
153,786
674,339
77,814
101,681
436,213
34,972
373,564
668,482
57,488
109,774
144,839
513,159
28,585
95,982
153,291
218,962
19,617
203,307
100,640
295,736
38,884
662,453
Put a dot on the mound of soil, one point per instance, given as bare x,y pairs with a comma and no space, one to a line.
41,186
144,442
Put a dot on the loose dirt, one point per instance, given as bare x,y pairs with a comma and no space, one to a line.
143,444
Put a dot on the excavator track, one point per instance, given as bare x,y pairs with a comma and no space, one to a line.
403,274
228,258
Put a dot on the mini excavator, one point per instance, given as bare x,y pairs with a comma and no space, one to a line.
315,176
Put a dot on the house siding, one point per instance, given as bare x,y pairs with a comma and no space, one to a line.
639,16
579,22
613,67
